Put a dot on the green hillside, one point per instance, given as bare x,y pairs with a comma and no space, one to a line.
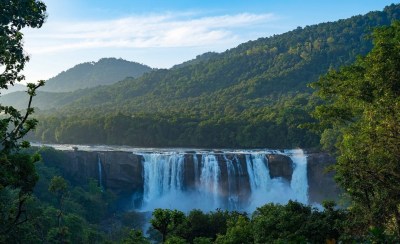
70,85
104,72
254,95
43,100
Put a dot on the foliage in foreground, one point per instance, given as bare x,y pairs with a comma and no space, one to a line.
61,211
271,223
17,171
64,211
360,123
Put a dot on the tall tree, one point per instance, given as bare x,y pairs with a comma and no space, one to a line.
167,221
360,119
17,172
15,15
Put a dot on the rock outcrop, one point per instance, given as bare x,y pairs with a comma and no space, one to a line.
280,166
321,183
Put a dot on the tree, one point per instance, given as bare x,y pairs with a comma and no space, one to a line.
239,231
295,223
15,15
59,187
362,111
17,171
274,223
135,237
199,224
167,221
17,179
175,240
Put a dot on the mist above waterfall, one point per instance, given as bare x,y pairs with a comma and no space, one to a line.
234,180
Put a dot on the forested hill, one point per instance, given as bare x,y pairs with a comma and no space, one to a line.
199,58
104,72
265,68
254,95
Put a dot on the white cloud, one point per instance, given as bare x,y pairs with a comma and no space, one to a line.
163,30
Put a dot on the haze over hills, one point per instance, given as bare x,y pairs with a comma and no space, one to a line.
15,88
103,72
58,90
43,100
250,96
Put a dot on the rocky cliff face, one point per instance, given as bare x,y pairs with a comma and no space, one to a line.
122,172
280,166
322,185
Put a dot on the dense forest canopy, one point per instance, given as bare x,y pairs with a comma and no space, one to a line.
356,106
254,95
360,123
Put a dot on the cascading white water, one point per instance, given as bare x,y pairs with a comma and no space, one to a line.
299,183
239,166
258,172
165,176
167,182
196,169
100,172
233,198
209,179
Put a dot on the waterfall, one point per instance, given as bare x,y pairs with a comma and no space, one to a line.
299,183
206,179
239,166
99,166
196,169
233,198
209,178
215,186
258,172
163,174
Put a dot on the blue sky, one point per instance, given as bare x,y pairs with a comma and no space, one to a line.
161,33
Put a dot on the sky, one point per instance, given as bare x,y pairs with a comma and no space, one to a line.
162,33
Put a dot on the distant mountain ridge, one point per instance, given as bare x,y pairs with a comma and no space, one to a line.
199,58
252,75
106,71
253,95
15,88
